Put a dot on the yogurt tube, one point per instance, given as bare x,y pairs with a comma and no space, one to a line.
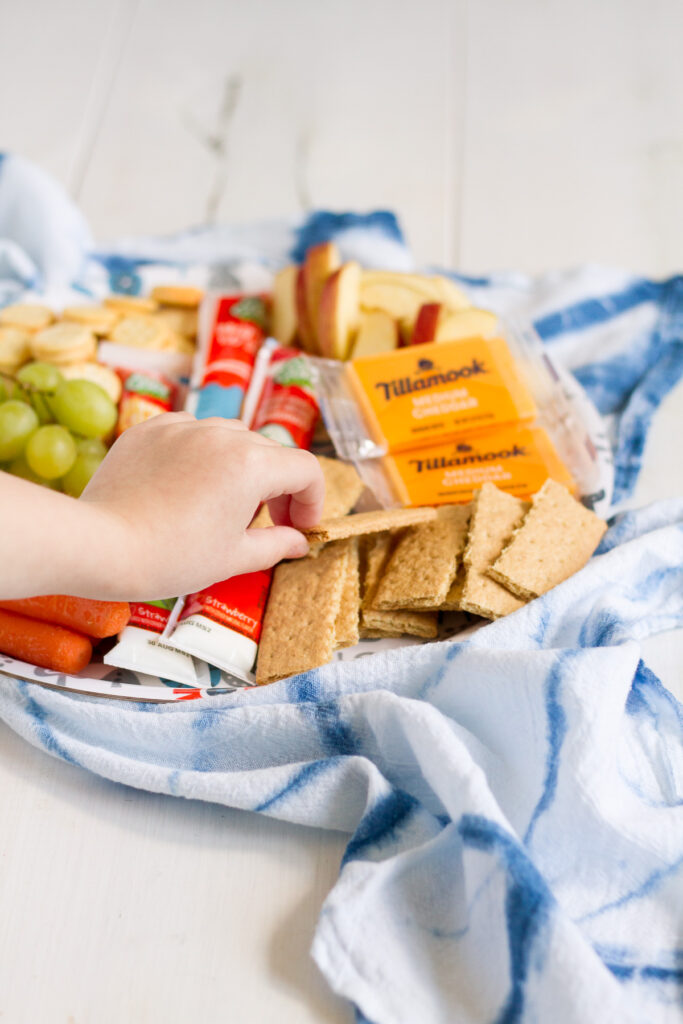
141,649
222,624
231,330
288,409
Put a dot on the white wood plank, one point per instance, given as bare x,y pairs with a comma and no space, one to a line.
574,137
251,110
119,905
50,57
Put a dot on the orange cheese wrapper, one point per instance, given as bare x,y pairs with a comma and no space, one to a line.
427,394
518,459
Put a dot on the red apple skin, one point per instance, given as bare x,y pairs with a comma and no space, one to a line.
427,323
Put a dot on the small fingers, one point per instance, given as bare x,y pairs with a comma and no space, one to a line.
263,547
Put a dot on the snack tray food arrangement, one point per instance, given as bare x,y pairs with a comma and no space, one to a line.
100,680
427,401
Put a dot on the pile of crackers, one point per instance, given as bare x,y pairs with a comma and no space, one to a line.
165,320
392,572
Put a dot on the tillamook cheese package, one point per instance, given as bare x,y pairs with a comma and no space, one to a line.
427,394
429,424
518,459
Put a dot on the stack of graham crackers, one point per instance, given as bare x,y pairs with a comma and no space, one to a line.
389,573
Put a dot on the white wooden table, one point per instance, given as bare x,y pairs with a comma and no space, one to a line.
528,135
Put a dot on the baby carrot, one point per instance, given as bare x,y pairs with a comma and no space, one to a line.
94,618
44,645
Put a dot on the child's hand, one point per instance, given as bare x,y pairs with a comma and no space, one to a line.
181,493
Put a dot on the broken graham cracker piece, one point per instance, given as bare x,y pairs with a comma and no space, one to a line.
400,623
424,562
301,614
377,549
454,595
495,516
346,628
369,522
343,488
556,538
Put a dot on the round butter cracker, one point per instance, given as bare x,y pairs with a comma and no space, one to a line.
182,321
98,319
141,332
26,316
131,304
178,295
15,348
64,343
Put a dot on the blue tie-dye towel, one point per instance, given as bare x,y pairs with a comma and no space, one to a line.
514,800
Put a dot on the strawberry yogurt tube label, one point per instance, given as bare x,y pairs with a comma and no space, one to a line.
236,334
288,409
152,615
144,395
222,624
238,603
140,649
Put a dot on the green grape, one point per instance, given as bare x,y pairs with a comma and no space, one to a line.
41,377
20,467
18,422
84,408
51,451
91,446
43,411
74,482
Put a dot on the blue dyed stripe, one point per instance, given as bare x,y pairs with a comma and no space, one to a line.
304,687
299,781
40,725
600,629
589,312
649,972
380,823
336,736
647,887
637,417
647,692
458,278
527,905
610,382
556,731
325,226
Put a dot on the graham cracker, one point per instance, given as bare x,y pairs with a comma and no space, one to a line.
556,539
301,614
343,488
369,522
454,595
495,516
375,623
424,563
346,627
400,623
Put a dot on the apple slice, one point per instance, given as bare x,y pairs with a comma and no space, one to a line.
284,318
338,315
427,323
450,294
398,300
321,261
469,323
304,326
378,333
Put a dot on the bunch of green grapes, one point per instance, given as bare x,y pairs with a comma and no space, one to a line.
52,430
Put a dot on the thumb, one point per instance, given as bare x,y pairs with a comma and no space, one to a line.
263,547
